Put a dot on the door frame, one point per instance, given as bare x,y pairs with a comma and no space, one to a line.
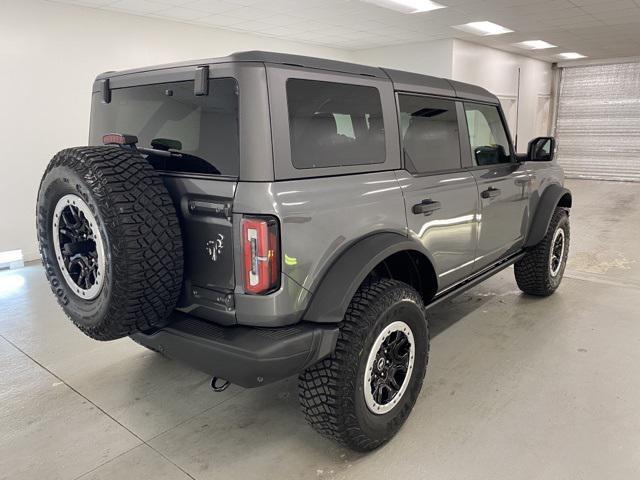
468,160
465,140
464,163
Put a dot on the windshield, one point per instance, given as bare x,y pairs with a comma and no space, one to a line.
182,131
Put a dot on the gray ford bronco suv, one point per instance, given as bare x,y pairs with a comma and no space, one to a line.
266,215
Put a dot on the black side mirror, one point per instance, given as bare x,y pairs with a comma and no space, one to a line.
541,149
490,155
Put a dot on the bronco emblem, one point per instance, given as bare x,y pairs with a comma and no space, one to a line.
214,247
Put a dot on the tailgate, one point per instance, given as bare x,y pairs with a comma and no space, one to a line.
204,207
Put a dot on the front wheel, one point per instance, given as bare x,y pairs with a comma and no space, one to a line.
363,393
540,271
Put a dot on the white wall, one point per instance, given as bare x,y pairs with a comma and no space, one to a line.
428,58
49,55
493,69
497,71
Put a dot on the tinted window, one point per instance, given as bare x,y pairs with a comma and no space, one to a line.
200,131
334,124
429,128
489,141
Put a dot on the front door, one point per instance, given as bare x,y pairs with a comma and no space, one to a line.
504,185
440,198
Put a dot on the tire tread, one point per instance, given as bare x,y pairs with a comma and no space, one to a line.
144,234
326,389
532,271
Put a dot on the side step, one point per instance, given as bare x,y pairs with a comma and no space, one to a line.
246,356
474,280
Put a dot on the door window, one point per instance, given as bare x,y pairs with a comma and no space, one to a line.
487,135
429,129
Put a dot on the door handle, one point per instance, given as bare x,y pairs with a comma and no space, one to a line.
490,192
523,182
426,207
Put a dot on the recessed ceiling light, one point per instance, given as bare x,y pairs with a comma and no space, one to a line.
483,28
571,55
534,45
407,6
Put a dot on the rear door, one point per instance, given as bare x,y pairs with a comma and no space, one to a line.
504,184
441,199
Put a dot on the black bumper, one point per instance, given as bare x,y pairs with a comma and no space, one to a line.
246,356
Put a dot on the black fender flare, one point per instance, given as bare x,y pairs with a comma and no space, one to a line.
552,197
331,298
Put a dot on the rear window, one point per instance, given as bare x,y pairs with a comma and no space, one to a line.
334,124
184,132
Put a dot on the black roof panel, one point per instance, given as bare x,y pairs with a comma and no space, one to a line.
402,80
473,92
415,82
265,57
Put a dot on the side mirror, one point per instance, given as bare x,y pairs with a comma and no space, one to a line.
490,155
541,149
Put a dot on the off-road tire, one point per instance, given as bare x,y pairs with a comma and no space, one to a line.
331,392
532,272
142,241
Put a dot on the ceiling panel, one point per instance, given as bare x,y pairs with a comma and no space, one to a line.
596,28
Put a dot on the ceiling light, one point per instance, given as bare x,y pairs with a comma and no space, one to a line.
571,55
407,6
534,45
483,28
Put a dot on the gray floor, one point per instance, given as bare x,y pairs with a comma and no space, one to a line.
517,387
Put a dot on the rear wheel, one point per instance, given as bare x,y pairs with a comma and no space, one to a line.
110,241
540,271
363,393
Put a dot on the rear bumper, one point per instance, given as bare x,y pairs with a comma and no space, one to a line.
246,356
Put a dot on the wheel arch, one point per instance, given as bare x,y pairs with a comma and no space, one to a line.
553,196
387,255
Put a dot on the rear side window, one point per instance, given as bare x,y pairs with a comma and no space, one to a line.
189,133
429,129
334,124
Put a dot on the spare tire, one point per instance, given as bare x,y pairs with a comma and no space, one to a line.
110,241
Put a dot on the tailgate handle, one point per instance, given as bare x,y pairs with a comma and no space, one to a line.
211,208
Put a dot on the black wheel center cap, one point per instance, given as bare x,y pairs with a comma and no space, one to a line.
380,365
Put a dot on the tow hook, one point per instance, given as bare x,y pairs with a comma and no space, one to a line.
219,384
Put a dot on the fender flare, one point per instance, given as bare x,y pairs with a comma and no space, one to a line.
331,298
552,196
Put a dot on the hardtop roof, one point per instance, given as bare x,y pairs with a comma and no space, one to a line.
402,80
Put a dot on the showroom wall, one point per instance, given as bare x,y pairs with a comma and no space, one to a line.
49,55
497,71
493,69
51,52
429,58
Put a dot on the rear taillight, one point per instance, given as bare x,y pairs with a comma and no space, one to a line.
260,247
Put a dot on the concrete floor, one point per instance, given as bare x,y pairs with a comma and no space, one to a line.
517,387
